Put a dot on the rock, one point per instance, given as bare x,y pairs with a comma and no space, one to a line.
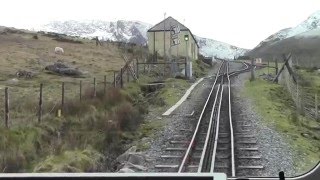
126,170
13,81
132,160
63,69
24,74
306,135
135,167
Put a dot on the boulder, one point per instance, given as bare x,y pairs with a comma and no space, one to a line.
62,69
131,156
131,161
126,170
24,74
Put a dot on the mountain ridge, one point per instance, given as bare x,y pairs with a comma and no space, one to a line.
133,32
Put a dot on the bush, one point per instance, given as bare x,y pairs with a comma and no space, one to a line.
127,117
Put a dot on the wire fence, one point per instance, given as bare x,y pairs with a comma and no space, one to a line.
30,104
306,102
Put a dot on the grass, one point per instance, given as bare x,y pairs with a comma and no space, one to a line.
87,130
312,79
88,160
276,107
173,91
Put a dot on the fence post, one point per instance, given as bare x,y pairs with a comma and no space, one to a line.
185,68
144,67
105,84
137,68
94,87
80,91
40,104
114,79
276,66
316,105
6,106
268,66
62,97
121,78
252,70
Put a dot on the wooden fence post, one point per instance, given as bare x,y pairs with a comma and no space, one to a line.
40,104
114,79
137,69
80,91
316,105
277,66
62,97
128,77
268,67
105,84
185,68
121,78
94,87
252,70
6,107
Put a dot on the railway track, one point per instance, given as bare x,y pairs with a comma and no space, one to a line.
215,143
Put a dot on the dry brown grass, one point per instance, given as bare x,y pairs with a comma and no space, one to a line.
21,51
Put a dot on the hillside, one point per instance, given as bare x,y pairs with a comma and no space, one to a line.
133,32
303,41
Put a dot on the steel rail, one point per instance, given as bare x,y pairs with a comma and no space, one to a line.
208,132
216,135
183,163
233,169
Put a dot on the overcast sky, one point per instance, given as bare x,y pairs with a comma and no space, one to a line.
243,23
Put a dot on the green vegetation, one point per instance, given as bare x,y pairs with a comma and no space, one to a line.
310,79
87,160
89,133
278,110
87,130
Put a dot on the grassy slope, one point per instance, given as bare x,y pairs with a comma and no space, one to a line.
277,109
29,147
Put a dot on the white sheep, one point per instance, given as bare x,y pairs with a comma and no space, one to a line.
58,50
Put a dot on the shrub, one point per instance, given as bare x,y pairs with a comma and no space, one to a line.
127,117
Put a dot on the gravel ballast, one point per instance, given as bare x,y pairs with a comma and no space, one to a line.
275,152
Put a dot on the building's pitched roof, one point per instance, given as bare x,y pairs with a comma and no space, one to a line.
165,25
169,21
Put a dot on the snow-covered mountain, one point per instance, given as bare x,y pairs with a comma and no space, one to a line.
210,47
302,41
134,32
311,23
126,31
